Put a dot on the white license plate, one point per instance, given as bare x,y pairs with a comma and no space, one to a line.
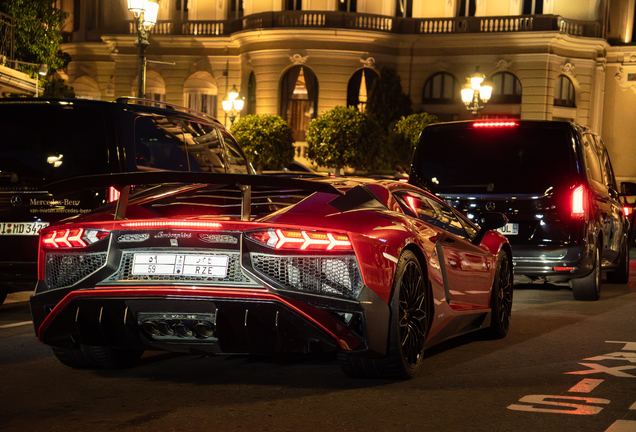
22,228
509,229
180,264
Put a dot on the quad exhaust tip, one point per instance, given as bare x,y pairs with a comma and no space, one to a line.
182,329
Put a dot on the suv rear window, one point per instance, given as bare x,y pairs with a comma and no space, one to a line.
457,158
46,142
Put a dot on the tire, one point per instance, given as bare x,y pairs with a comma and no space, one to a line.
73,358
501,298
407,330
588,288
621,274
97,357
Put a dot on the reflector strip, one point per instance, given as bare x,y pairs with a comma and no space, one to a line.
495,124
173,224
563,268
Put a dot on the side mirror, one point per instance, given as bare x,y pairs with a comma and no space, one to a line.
628,188
489,221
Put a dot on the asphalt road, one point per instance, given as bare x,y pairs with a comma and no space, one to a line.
565,366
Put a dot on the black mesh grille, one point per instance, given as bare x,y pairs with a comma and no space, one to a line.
328,275
235,275
63,269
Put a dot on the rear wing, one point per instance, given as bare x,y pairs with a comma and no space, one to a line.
244,182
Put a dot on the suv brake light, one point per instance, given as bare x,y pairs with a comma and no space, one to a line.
579,203
495,124
113,194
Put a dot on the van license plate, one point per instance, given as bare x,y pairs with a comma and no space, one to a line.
22,228
509,229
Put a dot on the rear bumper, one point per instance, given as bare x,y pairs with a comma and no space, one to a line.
18,276
239,321
542,263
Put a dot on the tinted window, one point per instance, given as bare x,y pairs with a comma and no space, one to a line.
237,164
176,144
592,163
466,159
52,142
432,212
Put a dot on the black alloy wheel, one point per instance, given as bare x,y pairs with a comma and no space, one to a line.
412,314
408,328
501,297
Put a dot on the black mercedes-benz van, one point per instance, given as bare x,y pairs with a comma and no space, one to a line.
552,179
46,140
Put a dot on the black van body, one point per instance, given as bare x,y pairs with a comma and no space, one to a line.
553,180
43,141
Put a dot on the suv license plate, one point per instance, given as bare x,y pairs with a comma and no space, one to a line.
22,228
180,264
509,229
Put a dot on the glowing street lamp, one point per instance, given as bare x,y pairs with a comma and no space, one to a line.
145,13
476,92
232,105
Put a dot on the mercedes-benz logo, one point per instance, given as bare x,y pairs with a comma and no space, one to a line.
16,200
490,206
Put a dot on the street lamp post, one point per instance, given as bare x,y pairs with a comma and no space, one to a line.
232,105
145,14
476,92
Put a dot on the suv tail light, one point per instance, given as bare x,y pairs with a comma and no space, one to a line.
113,194
302,239
72,238
579,202
627,210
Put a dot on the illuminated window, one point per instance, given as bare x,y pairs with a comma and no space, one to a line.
299,99
359,88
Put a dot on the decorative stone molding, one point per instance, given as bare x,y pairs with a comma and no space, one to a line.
503,65
626,80
567,68
298,59
368,62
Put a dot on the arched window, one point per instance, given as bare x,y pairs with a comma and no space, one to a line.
251,94
199,93
440,88
563,92
155,86
347,5
404,8
86,87
467,8
299,99
506,88
359,88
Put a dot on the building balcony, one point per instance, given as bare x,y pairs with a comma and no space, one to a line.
380,23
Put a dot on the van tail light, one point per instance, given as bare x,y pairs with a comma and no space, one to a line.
302,239
113,194
627,210
579,202
72,238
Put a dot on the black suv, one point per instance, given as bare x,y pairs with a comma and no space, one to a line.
42,141
554,182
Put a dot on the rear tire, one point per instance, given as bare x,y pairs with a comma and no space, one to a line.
407,331
588,288
621,274
501,298
73,358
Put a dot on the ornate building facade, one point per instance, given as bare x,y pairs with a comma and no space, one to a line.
547,59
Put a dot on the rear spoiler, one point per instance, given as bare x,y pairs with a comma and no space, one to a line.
122,183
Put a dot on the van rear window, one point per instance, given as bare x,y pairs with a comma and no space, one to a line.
51,142
463,159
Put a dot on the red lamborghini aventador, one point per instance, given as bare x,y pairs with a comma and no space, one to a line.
219,263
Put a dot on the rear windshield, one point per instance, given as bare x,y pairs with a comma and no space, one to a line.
520,159
44,143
